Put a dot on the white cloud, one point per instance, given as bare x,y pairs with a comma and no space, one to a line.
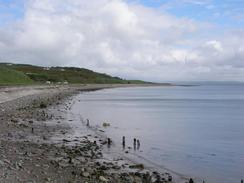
214,45
123,39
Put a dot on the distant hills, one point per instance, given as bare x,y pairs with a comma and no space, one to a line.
11,74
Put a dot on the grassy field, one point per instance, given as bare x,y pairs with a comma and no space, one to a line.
12,77
29,74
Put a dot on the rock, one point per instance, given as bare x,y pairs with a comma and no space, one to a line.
7,161
103,167
137,166
170,178
98,164
23,125
106,124
14,120
65,140
146,178
18,165
1,163
103,179
70,160
116,167
137,174
85,174
47,179
43,105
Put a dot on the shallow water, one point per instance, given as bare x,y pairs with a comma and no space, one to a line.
196,131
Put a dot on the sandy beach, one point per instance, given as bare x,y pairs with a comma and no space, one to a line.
37,144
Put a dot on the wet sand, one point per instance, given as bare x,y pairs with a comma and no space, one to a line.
37,143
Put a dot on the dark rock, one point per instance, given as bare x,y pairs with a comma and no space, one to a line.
170,178
138,166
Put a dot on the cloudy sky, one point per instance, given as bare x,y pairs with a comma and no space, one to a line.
154,40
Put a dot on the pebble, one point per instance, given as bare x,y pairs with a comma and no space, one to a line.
103,179
85,174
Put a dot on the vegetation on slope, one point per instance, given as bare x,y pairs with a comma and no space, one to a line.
10,76
61,75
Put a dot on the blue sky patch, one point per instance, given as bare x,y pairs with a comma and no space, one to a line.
11,10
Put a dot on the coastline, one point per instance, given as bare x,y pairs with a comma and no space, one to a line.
8,93
30,153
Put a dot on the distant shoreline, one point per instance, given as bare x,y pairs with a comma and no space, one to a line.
8,93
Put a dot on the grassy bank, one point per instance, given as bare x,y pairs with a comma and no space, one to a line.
30,74
13,77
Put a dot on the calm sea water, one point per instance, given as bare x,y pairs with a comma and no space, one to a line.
197,131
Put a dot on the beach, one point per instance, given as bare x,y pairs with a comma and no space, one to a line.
39,145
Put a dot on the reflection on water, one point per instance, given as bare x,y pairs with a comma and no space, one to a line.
193,130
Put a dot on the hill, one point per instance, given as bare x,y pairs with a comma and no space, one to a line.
9,77
27,74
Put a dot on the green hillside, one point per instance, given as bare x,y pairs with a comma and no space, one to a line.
10,76
21,73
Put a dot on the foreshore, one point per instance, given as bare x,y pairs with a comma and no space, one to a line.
36,144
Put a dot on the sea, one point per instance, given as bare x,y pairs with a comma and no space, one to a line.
195,130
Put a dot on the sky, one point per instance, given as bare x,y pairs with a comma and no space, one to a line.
153,40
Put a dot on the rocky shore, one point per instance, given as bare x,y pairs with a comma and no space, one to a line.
35,143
